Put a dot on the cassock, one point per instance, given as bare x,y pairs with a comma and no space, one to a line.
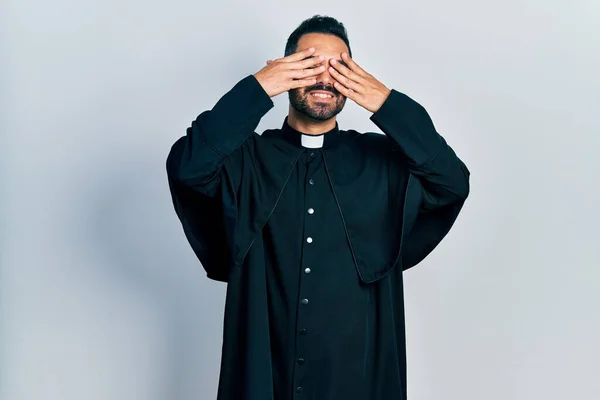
312,235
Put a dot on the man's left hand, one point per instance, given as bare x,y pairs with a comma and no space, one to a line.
358,85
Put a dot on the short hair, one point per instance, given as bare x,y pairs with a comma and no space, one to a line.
317,24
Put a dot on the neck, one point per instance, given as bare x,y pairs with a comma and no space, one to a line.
307,125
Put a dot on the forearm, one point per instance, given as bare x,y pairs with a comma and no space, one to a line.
444,176
217,133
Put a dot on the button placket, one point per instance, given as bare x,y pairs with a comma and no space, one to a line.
309,249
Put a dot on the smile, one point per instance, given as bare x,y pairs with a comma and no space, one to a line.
322,95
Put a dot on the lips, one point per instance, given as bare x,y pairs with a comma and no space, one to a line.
321,94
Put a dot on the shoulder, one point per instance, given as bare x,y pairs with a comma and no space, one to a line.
369,141
373,145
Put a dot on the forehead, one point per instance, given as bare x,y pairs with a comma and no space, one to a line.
327,45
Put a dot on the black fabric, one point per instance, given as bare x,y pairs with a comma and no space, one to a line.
382,203
202,219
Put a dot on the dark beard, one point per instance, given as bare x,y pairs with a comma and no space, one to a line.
300,102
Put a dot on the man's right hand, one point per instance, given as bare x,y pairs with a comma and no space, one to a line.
291,72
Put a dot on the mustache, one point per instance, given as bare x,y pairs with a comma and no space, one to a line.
322,88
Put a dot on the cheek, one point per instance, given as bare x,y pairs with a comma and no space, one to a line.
297,93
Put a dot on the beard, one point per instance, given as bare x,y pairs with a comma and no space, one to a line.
313,107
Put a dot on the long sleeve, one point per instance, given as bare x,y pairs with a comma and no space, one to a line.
433,204
215,134
444,177
200,160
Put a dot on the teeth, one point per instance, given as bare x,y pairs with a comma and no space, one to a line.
323,96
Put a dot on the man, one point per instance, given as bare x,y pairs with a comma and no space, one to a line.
311,225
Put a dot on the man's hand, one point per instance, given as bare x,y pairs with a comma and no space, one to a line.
291,72
357,85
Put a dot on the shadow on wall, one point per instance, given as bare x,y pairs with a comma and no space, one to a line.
136,231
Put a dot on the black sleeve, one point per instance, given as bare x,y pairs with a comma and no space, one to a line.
215,134
444,177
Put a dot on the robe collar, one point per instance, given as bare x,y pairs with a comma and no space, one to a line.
327,140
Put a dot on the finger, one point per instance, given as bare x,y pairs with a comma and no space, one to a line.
307,63
345,71
344,80
299,55
298,83
353,65
349,93
308,72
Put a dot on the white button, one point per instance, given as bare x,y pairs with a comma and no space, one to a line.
307,270
309,240
311,211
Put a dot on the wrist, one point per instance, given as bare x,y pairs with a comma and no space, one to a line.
259,79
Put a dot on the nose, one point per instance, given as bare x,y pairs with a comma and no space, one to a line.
324,77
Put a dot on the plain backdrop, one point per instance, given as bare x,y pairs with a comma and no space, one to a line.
102,297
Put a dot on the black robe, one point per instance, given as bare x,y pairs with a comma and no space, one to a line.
314,306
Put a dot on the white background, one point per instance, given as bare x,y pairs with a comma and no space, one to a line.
101,296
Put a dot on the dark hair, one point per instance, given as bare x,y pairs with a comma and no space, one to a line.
317,24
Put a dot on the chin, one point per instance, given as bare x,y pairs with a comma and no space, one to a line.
319,115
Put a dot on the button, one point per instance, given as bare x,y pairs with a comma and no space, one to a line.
299,389
304,301
312,154
311,210
301,361
311,181
307,270
309,240
303,331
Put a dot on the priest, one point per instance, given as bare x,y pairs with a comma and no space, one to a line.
311,226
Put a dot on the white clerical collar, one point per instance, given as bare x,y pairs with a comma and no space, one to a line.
312,141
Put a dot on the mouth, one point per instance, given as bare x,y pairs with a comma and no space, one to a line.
322,95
